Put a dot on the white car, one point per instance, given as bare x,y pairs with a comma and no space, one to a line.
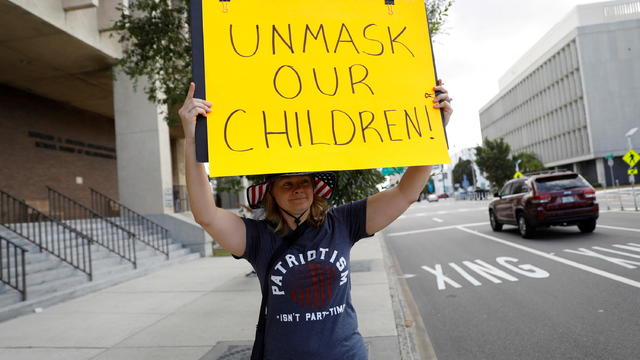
432,198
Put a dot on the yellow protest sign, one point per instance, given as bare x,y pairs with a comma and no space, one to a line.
631,158
307,85
517,175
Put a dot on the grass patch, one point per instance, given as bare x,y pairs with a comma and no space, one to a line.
221,252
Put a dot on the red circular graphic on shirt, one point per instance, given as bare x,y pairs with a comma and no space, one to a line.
312,285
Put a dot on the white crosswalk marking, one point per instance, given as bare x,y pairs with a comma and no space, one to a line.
622,262
558,259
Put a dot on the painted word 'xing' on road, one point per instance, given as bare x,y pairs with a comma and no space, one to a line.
485,270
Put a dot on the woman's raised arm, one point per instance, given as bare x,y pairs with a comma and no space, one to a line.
226,228
386,206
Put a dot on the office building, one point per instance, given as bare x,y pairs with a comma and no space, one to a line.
70,120
574,95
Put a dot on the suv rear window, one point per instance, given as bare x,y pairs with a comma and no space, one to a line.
558,183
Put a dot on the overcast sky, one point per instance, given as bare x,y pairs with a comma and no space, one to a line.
481,40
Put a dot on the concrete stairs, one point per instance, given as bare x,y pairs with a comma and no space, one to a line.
50,280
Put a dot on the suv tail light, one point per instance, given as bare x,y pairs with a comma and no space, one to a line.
540,199
590,194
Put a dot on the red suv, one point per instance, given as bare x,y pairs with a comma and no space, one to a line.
544,200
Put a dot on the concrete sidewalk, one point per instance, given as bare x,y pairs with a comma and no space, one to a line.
205,309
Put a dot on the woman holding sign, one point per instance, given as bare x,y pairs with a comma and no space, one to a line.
300,250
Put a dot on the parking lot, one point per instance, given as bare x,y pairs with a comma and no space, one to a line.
494,295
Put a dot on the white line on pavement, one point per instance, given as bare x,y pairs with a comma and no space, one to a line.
437,220
434,229
618,228
439,212
406,276
620,212
558,259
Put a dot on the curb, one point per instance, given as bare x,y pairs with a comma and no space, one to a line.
413,338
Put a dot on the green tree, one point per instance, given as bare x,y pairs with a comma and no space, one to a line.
351,185
157,47
529,162
462,168
437,12
229,184
356,184
493,159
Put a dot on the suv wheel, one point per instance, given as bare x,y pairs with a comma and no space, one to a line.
524,227
495,225
587,226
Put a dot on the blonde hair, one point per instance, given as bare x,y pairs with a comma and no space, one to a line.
273,215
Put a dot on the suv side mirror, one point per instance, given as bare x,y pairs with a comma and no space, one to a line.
495,194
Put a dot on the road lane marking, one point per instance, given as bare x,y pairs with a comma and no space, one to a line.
620,211
434,229
616,252
406,276
629,246
558,259
439,212
438,220
618,261
618,228
622,262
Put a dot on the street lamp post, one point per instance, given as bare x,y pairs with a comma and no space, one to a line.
629,134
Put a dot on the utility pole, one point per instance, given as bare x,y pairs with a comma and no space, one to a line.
444,184
632,178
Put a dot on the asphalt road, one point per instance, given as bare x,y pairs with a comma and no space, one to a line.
493,295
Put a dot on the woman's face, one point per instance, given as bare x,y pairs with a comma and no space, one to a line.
293,193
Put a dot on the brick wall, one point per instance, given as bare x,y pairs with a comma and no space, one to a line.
43,142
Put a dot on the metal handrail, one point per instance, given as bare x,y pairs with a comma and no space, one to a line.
103,231
154,234
49,234
19,282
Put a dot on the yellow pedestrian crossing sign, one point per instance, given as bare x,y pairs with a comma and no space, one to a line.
517,175
631,158
632,171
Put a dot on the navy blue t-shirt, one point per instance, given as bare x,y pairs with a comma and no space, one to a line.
309,311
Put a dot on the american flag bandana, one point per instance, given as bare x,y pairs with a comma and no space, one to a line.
324,182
